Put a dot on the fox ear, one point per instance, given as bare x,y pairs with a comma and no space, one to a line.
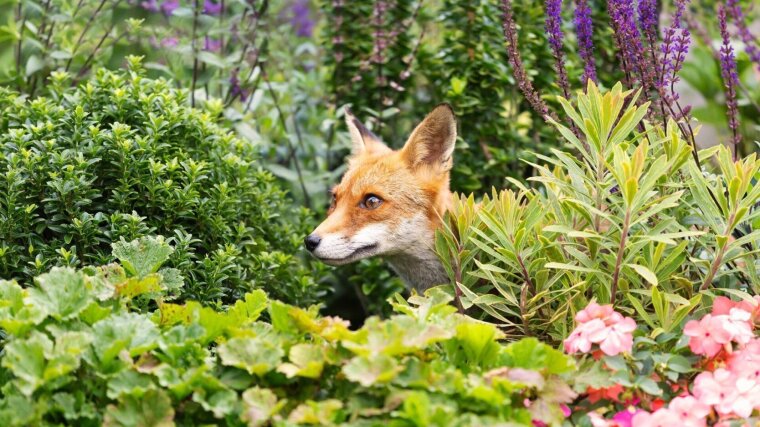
362,140
432,141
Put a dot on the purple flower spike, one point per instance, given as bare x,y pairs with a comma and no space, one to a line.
515,61
212,8
648,20
750,42
301,21
628,40
730,78
212,45
585,31
675,46
169,6
554,31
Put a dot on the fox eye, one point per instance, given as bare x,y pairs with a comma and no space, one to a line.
333,200
371,202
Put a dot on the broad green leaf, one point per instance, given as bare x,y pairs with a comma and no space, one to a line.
143,256
152,409
306,360
372,369
259,405
255,355
61,293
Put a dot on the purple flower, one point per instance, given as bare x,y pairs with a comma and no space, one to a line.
169,6
301,20
585,31
170,42
150,5
554,32
675,46
628,42
515,61
212,8
750,42
730,78
648,20
212,44
235,88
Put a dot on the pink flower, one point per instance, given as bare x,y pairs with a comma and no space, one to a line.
737,323
746,362
707,335
691,411
617,338
594,311
599,421
727,392
659,418
602,325
580,339
624,418
723,305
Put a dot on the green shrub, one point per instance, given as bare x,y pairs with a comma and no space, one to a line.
121,156
631,220
78,352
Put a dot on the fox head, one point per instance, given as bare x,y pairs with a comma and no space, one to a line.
389,203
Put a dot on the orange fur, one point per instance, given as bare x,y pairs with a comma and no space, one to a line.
413,185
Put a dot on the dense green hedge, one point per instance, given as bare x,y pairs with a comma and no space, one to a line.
122,156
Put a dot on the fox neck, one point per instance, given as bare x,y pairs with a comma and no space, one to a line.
418,265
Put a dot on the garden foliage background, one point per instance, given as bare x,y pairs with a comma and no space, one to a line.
218,125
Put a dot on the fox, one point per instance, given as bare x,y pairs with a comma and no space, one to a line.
389,203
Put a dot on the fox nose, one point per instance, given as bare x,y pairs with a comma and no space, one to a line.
312,241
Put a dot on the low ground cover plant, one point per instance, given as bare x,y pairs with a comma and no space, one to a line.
83,348
123,156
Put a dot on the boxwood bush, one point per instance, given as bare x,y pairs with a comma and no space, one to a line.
122,156
79,351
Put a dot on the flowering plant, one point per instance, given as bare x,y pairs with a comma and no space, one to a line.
715,382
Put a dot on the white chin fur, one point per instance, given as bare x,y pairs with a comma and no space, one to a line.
335,249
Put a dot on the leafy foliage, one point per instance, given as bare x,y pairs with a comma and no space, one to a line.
633,215
112,363
121,156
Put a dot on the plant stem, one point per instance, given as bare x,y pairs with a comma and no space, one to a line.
619,260
20,15
84,32
719,256
195,53
457,280
275,101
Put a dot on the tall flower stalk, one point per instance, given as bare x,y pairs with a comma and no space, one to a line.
740,21
584,30
515,60
730,79
554,32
